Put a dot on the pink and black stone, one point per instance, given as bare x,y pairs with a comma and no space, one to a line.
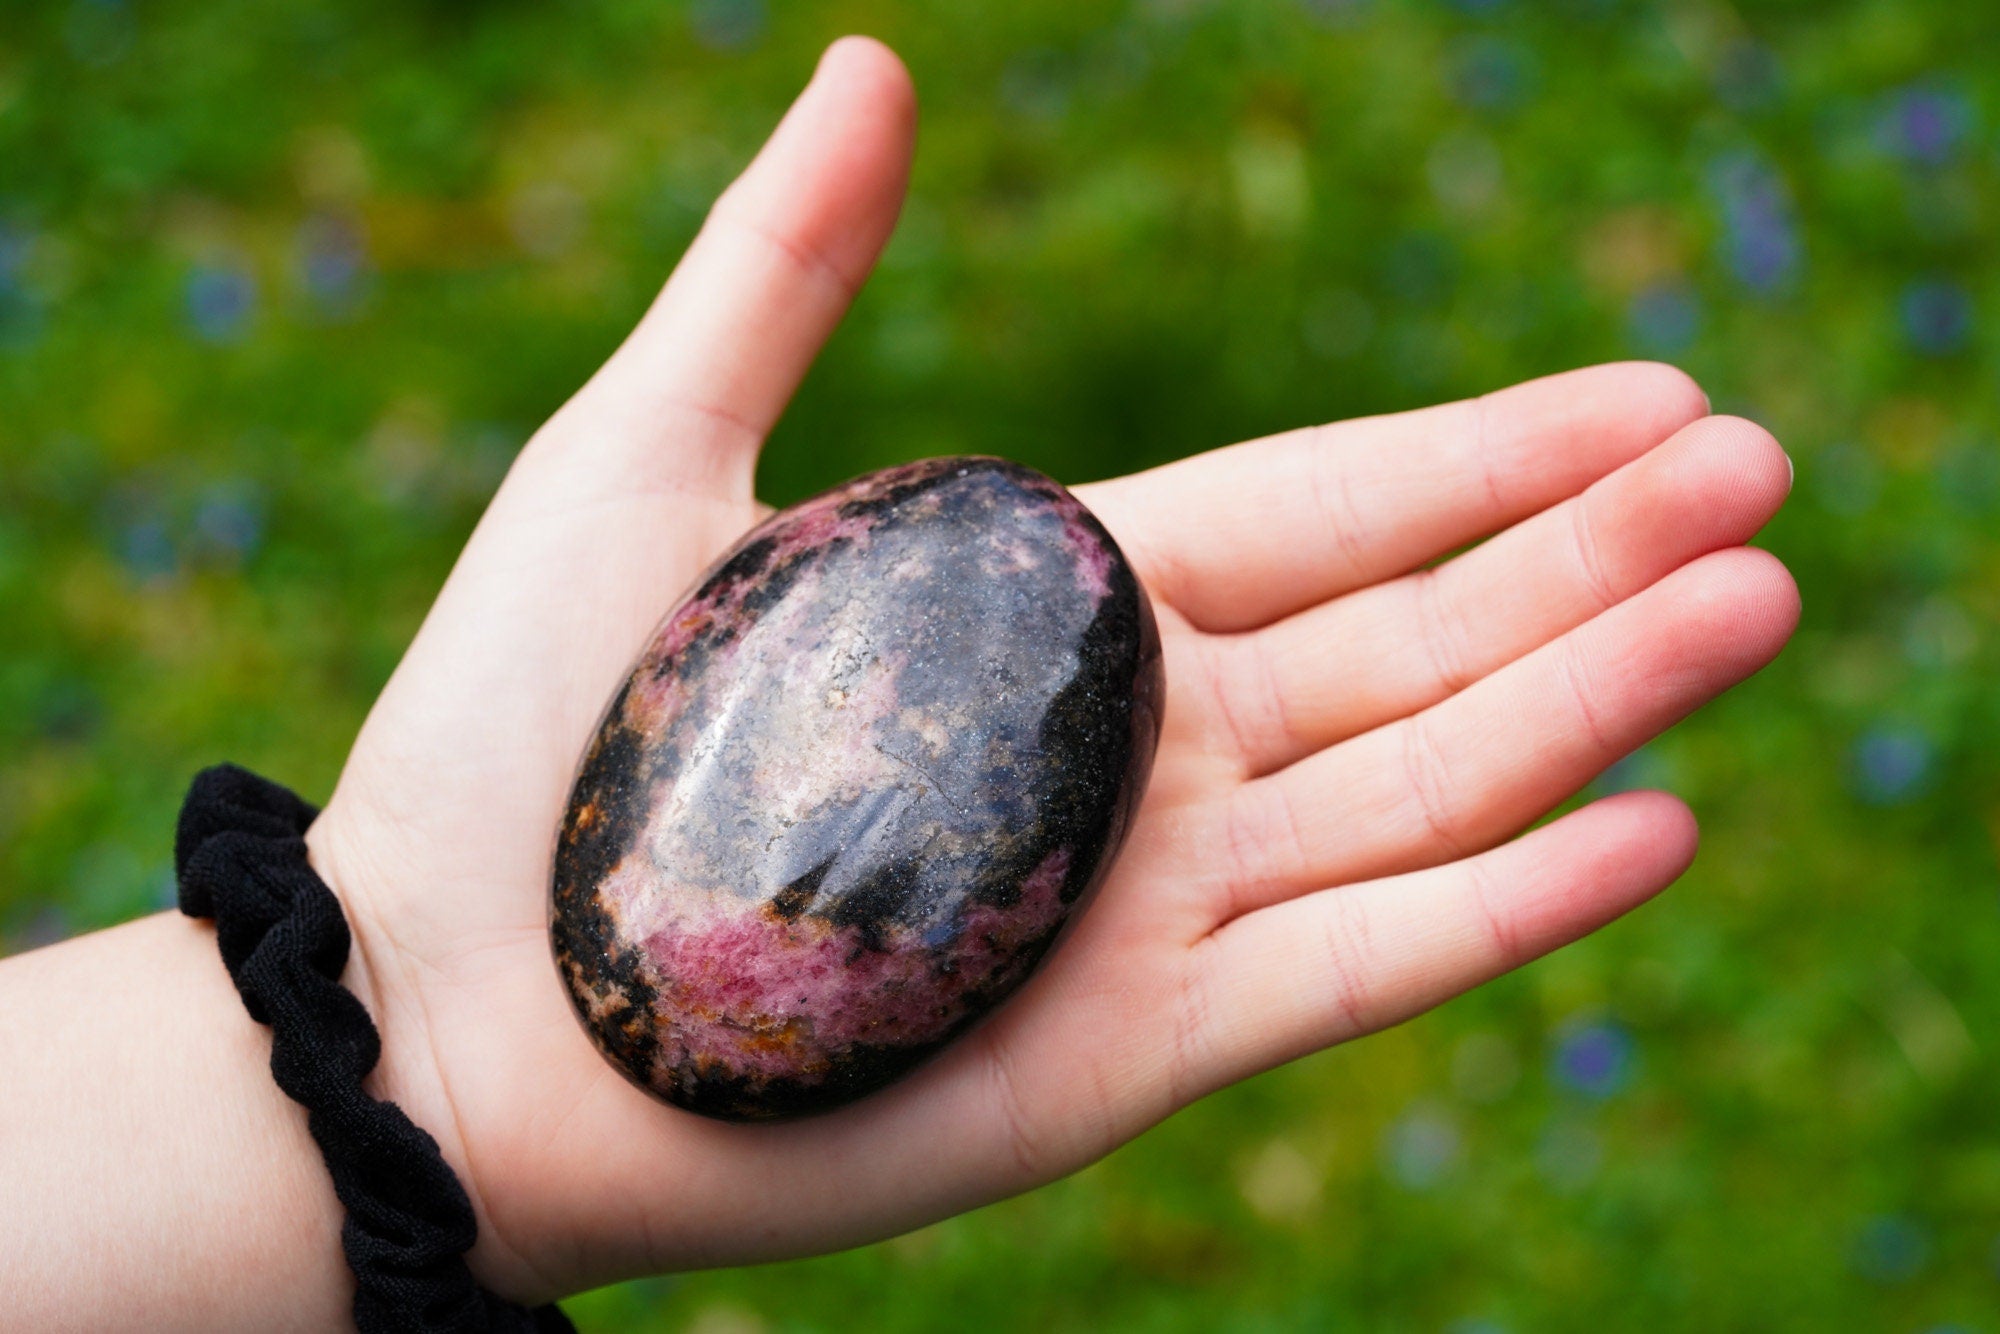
854,788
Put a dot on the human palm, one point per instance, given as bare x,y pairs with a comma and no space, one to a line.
1353,733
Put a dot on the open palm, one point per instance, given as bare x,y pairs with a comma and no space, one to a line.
1353,735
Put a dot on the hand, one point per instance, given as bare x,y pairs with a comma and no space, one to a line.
1352,737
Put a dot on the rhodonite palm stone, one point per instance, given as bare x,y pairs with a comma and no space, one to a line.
854,787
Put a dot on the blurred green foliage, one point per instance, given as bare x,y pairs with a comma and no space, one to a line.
283,284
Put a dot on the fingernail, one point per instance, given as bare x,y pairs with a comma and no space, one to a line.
1791,472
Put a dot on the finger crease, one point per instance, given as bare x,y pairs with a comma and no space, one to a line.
1578,681
1192,1021
715,412
1590,557
1348,948
1225,699
1488,473
807,258
1336,510
1503,933
1266,846
1426,771
1442,634
1027,1150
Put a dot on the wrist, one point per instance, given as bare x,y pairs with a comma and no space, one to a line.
397,981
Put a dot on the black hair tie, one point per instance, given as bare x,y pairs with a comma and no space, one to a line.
240,856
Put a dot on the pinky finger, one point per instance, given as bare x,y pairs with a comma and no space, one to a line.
1293,978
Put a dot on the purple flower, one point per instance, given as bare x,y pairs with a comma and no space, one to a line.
332,263
1925,125
1937,316
1891,765
220,302
1760,237
1595,1058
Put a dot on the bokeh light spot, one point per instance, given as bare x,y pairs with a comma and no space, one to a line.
220,302
1664,318
1891,1248
1936,315
1891,765
1925,125
727,25
1422,1147
1595,1058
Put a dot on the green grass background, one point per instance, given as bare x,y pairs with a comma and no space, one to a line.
284,283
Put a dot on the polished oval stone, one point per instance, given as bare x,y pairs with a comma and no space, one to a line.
854,787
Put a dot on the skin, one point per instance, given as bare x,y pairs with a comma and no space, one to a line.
1355,737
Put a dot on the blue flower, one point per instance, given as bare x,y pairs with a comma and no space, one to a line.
332,263
147,550
727,25
1489,74
1760,236
1891,765
1937,316
1664,318
230,520
1595,1058
1925,125
220,302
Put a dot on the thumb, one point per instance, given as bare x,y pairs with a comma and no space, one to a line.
688,398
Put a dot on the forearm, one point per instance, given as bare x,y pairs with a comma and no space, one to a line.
151,1173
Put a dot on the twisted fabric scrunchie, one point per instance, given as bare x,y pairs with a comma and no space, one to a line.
240,856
